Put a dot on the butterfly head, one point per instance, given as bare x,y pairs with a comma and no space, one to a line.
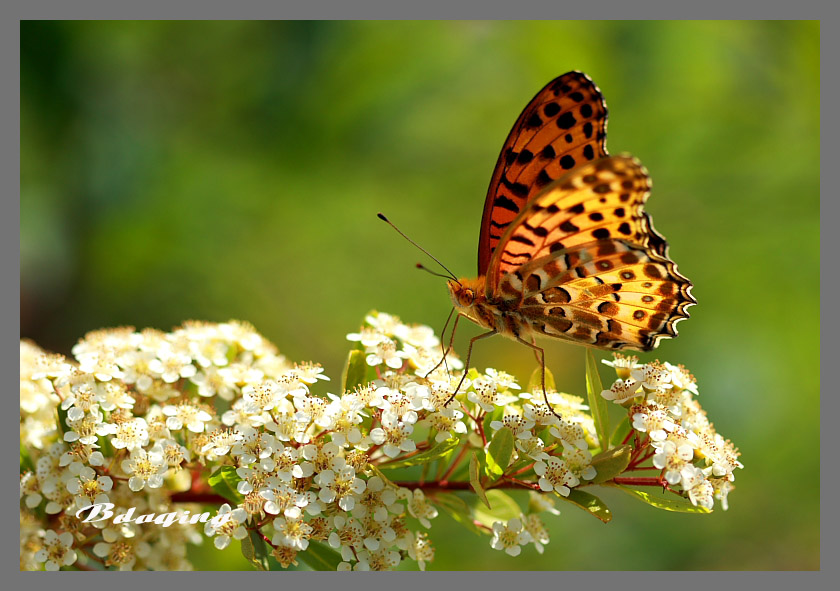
467,296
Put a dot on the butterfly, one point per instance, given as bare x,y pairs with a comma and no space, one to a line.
566,250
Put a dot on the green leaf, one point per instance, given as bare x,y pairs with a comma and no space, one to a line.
597,403
224,481
255,550
458,509
657,498
535,383
441,449
502,508
620,432
611,463
26,462
475,480
355,371
320,557
589,503
497,414
499,452
62,420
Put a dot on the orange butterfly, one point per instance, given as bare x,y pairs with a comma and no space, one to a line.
566,250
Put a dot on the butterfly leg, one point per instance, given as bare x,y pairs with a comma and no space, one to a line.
540,353
467,363
449,347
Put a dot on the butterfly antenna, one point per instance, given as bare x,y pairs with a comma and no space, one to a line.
430,272
390,223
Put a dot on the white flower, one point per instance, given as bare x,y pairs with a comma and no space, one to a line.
700,490
377,500
186,415
502,380
484,393
394,435
385,352
539,502
145,469
89,488
533,447
311,373
653,376
447,422
341,486
555,476
232,528
681,378
172,365
367,336
254,445
655,422
672,457
263,396
421,550
579,461
57,551
519,425
420,508
114,395
347,536
130,434
622,364
509,537
221,441
85,428
539,534
282,498
292,532
622,391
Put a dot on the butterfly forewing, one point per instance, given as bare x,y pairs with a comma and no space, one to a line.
563,127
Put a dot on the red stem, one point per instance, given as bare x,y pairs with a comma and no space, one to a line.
639,481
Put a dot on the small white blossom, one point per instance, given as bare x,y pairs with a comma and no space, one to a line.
509,537
57,551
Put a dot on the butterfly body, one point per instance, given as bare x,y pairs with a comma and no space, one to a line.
566,249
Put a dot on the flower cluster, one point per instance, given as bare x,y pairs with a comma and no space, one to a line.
685,446
213,417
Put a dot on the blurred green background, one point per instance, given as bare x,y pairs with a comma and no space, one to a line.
217,170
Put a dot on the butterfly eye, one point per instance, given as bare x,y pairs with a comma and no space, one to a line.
466,297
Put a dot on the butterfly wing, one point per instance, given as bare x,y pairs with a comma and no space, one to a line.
582,261
562,127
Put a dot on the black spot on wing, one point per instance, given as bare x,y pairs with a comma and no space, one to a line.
505,203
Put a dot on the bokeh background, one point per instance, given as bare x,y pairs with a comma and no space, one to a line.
218,170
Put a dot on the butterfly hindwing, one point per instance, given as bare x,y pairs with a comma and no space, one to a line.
563,127
582,262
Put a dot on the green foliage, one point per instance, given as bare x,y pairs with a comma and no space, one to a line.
255,550
611,463
319,556
500,507
589,503
437,452
597,403
458,509
499,452
475,479
25,460
535,383
224,481
660,500
355,370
